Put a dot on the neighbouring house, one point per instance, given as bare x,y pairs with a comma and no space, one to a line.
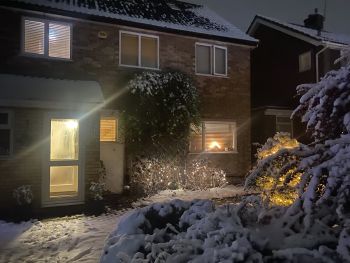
64,63
287,55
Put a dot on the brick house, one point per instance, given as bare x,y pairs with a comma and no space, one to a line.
63,64
287,55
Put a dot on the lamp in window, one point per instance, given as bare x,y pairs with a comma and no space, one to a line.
214,146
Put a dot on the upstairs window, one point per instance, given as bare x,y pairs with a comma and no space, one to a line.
139,50
5,134
211,60
46,38
305,61
214,137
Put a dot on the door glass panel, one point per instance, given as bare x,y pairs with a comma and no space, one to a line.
63,181
64,139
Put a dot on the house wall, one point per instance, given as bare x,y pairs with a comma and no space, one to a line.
275,76
222,98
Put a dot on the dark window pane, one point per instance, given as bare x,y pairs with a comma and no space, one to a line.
203,59
4,118
4,142
220,61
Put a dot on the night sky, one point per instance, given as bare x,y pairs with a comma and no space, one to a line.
241,12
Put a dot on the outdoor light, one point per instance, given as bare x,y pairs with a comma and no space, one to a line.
72,124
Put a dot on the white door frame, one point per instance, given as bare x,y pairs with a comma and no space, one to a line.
46,201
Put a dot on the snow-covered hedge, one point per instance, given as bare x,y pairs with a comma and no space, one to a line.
151,175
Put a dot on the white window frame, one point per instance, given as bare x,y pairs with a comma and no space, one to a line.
46,38
308,53
212,59
8,126
139,36
234,139
281,113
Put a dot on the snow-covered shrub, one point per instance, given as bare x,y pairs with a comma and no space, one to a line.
276,173
182,232
159,110
325,106
96,190
23,195
151,175
201,175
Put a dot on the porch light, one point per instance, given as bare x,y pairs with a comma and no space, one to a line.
72,124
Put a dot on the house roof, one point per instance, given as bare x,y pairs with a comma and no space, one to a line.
310,35
34,92
174,16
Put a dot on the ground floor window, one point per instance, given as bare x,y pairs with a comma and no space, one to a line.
214,137
108,129
5,134
283,121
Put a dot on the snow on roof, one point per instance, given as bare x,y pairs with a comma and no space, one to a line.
325,36
25,91
174,14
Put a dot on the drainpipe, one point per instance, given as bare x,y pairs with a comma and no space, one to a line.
317,62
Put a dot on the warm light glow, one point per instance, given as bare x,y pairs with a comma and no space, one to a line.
72,124
214,145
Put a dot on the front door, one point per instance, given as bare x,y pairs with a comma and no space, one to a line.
62,182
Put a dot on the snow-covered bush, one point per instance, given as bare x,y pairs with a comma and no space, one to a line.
151,175
325,106
96,190
159,110
182,232
23,195
200,174
276,173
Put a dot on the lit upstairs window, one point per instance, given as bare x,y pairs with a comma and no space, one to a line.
46,39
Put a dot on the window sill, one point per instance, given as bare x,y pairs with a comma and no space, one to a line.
137,67
211,75
44,57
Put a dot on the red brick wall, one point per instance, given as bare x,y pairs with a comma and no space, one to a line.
224,98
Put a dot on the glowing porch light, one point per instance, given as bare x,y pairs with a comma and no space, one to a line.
214,145
72,124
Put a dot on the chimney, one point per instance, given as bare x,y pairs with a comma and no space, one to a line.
315,21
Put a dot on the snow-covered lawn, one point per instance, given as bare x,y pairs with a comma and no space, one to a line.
79,238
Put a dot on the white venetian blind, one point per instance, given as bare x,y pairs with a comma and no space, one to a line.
59,40
34,37
108,130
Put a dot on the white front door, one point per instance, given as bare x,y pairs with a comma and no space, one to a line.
62,168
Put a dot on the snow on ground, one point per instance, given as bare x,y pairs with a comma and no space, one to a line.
167,195
78,238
